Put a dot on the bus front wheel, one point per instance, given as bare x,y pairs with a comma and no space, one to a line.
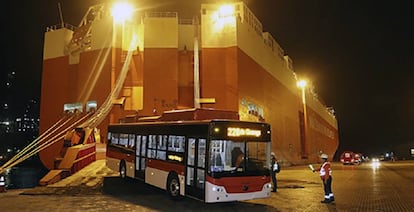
122,170
173,186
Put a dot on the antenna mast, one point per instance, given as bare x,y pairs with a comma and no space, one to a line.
62,23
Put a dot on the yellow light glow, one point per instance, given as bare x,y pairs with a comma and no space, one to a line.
175,157
122,11
237,132
226,11
375,163
301,83
224,17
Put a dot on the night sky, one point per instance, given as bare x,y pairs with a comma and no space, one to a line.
358,55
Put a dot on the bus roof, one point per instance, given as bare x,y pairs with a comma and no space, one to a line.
186,122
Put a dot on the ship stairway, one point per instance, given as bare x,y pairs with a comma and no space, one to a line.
52,135
54,176
69,122
75,158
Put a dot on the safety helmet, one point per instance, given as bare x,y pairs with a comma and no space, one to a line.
324,156
273,154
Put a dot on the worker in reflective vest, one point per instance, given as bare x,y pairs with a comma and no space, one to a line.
2,184
274,169
325,172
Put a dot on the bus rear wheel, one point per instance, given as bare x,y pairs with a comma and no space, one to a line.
173,186
122,170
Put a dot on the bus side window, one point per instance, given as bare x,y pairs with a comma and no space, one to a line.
123,139
152,141
114,138
171,140
191,151
138,145
109,137
144,145
180,143
131,141
162,143
162,155
201,152
152,145
151,153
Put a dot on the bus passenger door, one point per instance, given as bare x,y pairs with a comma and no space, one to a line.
195,173
140,156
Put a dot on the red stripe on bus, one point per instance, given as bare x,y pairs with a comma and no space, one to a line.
240,184
166,166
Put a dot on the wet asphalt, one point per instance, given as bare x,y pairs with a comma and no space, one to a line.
389,187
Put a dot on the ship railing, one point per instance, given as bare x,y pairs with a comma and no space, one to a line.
96,12
329,109
186,21
161,15
252,20
60,26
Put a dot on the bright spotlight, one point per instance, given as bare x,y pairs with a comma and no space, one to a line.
224,17
226,10
122,11
375,163
301,83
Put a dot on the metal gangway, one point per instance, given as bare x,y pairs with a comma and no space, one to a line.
74,119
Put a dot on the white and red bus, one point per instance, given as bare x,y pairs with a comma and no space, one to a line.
210,160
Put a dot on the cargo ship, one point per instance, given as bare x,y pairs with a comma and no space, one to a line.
219,59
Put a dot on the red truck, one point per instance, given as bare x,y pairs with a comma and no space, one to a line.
348,157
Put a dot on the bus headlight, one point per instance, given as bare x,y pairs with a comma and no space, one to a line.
220,189
268,185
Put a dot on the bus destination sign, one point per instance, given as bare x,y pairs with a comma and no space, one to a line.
238,132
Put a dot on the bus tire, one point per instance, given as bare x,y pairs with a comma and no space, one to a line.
122,170
173,186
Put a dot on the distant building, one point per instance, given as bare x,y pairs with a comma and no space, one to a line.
26,121
29,121
6,126
6,114
404,151
17,131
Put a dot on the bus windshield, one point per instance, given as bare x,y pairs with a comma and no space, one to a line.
229,157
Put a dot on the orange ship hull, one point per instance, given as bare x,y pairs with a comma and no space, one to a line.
237,72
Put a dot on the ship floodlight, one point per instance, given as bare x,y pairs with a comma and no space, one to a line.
226,10
301,83
224,17
122,11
